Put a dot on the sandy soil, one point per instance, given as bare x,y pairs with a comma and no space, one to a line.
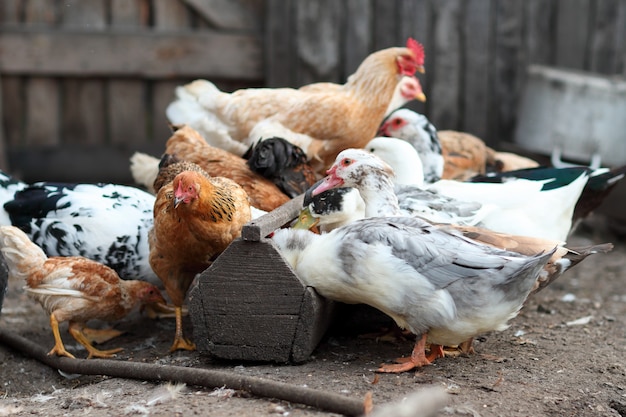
564,355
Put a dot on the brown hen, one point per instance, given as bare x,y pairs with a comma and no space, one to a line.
74,289
187,144
196,217
333,120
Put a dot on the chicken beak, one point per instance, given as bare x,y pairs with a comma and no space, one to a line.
421,69
177,201
420,97
305,220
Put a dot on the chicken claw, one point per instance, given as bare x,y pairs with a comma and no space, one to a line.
58,348
100,335
76,330
180,342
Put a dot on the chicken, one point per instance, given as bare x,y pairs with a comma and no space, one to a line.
187,144
283,163
107,223
196,217
448,154
334,120
74,289
408,89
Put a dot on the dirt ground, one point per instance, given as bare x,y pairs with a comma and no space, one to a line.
564,355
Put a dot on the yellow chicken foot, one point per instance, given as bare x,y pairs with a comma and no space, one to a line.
179,340
100,335
59,348
161,311
76,330
417,359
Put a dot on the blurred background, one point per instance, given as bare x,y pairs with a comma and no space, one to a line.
84,83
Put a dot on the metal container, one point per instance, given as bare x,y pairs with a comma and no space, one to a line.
579,113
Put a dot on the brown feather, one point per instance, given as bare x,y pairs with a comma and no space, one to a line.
187,237
187,144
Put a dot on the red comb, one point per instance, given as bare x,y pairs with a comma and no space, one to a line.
418,50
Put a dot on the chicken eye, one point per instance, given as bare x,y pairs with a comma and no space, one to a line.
397,122
190,188
346,162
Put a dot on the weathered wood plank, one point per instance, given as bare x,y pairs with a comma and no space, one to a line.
317,42
603,31
508,49
620,40
137,54
3,166
126,104
83,112
249,305
229,14
76,163
12,116
42,123
539,31
357,36
257,229
280,49
446,54
572,33
171,16
476,72
385,24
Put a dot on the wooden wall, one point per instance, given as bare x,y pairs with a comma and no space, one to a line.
85,82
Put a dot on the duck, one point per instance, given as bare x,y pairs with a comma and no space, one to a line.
440,285
376,182
536,202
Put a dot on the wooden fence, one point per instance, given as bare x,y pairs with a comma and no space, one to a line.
85,82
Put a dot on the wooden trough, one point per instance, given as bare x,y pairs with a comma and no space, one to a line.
250,305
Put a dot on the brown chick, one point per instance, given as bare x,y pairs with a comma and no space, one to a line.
74,289
196,217
187,144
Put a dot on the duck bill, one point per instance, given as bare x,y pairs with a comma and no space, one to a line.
328,183
305,220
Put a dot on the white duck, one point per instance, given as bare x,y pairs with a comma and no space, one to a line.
541,206
438,284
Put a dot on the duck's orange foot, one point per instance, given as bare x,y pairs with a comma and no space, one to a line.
417,359
401,367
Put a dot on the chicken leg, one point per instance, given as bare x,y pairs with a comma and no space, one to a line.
180,342
417,359
100,335
59,348
76,330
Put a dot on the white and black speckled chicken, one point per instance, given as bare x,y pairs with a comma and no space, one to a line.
107,223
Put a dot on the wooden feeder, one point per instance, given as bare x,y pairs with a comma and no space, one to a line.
250,305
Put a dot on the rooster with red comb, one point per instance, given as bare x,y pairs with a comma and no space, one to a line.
322,123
